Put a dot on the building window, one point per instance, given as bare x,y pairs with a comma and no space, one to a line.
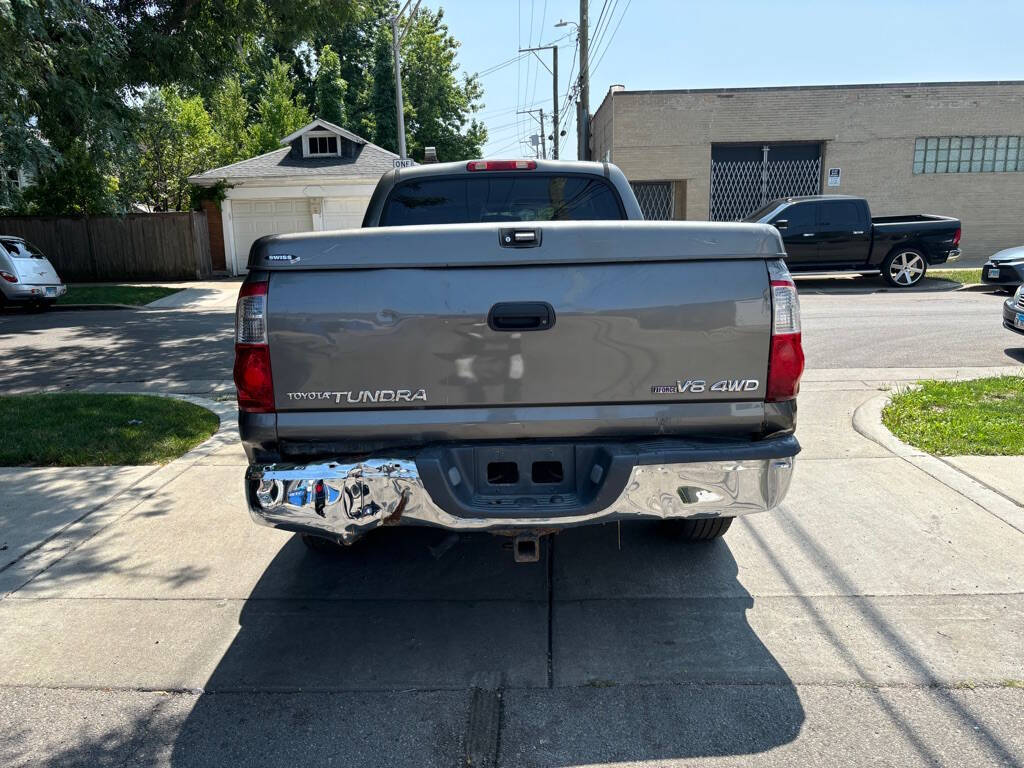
968,154
323,145
13,177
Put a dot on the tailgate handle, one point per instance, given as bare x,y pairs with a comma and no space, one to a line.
521,316
519,237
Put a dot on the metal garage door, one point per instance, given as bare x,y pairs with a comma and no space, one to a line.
252,219
344,212
745,177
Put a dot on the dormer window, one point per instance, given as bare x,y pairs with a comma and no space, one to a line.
322,145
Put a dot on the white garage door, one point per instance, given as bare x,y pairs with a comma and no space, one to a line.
252,219
344,212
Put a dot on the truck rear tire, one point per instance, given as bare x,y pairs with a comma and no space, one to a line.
904,268
697,530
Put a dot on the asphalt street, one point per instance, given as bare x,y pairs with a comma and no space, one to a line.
876,619
852,323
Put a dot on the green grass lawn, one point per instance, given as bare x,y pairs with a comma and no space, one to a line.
135,295
74,429
962,276
984,417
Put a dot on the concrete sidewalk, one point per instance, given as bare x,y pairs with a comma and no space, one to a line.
201,295
877,619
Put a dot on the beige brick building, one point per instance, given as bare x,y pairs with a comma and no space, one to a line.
948,148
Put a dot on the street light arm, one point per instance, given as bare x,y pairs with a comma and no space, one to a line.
412,15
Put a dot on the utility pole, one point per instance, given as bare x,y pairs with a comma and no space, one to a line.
583,122
544,150
554,91
397,45
543,145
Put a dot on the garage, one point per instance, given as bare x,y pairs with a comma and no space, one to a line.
344,212
321,179
252,219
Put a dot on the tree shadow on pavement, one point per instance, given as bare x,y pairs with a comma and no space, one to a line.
372,657
69,349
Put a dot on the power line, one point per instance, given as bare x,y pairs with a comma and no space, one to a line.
601,19
540,34
609,45
502,65
519,60
600,35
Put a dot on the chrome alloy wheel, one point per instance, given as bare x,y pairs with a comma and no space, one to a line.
907,268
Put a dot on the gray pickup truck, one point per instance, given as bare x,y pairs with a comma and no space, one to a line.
507,346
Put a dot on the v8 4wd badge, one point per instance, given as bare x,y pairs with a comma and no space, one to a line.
695,386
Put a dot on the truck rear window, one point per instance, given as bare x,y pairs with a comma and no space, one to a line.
464,200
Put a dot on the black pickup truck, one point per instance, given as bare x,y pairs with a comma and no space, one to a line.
836,233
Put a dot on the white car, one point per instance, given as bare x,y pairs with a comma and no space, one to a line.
26,276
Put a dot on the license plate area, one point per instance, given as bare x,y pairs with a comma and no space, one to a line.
1018,320
542,470
51,290
993,273
527,480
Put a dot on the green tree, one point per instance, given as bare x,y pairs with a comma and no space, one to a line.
75,183
60,93
438,104
175,140
379,122
229,114
330,87
71,72
443,102
280,111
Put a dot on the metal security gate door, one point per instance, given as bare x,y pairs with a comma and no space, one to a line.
743,178
655,198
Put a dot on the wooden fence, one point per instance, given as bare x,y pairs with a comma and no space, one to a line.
139,246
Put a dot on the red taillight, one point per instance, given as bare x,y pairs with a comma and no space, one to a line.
501,165
785,367
9,277
254,381
956,237
786,356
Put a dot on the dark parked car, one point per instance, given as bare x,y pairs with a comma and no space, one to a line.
836,233
1005,268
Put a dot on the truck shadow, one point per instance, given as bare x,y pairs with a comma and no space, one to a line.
415,621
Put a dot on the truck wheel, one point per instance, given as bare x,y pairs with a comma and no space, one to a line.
697,530
323,546
904,267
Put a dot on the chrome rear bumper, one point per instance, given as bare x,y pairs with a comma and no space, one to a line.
344,501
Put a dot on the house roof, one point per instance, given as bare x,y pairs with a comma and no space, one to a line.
321,124
369,161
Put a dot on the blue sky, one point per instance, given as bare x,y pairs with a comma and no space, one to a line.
730,43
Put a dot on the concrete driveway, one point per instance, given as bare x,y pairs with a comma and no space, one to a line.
878,619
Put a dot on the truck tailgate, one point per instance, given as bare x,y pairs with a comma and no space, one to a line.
611,333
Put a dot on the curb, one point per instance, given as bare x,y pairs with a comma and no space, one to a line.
143,491
980,288
867,420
